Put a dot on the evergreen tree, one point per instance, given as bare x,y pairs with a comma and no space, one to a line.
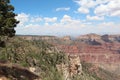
7,20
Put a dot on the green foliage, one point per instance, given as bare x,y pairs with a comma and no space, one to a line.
98,74
86,67
44,56
34,54
7,20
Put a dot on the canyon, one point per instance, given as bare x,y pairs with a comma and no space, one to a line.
86,57
100,50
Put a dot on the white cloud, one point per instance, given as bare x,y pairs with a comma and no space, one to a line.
66,26
116,13
47,19
102,1
69,21
109,27
66,18
26,18
101,10
83,10
22,17
99,7
107,24
63,9
94,17
112,8
68,29
90,3
36,19
85,5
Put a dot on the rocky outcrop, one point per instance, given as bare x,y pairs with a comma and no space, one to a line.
99,38
107,55
32,37
15,72
66,38
82,38
72,67
75,67
103,50
89,37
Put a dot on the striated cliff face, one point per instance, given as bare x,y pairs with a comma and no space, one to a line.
83,59
100,38
102,50
67,38
89,37
105,57
82,38
91,47
106,53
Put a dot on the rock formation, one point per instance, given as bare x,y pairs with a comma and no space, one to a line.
102,50
16,72
72,67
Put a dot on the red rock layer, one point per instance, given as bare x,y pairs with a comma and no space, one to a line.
105,53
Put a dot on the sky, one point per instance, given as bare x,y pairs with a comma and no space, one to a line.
67,17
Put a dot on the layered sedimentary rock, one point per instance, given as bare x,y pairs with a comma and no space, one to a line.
103,50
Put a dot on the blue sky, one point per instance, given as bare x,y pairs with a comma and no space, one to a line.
67,17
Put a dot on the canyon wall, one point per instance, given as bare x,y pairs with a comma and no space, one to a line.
102,50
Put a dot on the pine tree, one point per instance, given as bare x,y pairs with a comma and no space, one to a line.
7,20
